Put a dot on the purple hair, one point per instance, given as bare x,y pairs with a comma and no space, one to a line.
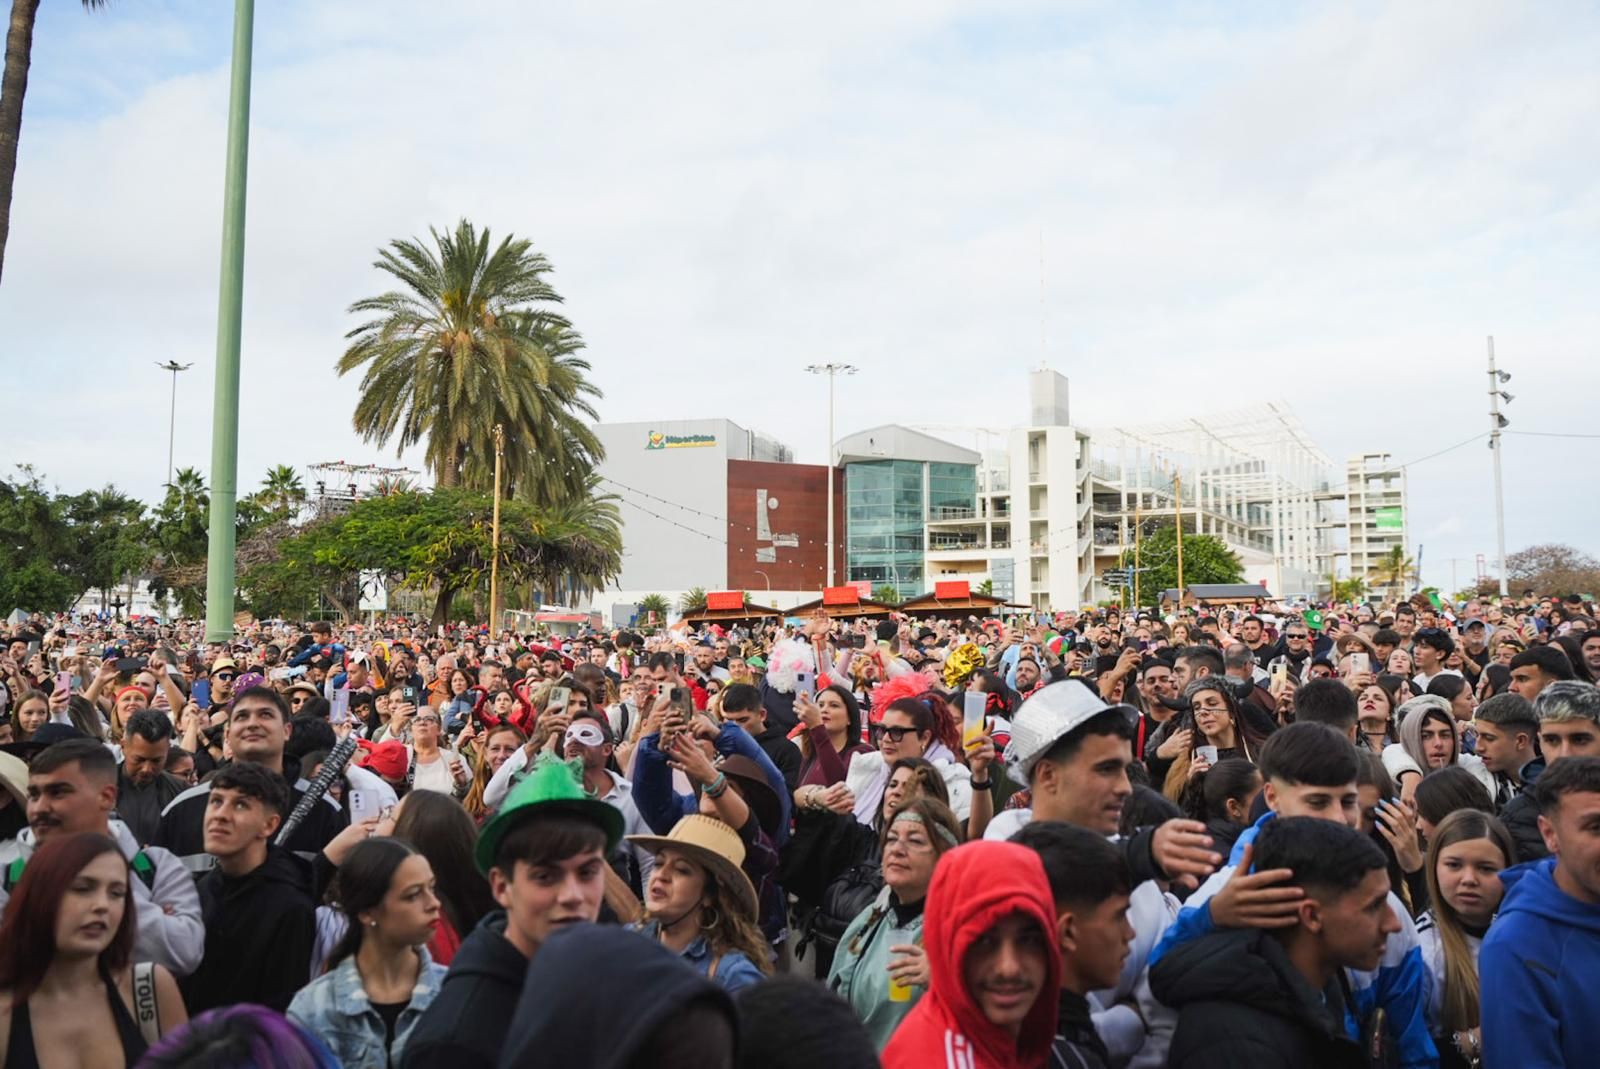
245,1036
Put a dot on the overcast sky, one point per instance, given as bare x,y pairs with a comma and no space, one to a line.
1329,205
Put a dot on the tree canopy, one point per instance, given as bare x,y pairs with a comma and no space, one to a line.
1206,559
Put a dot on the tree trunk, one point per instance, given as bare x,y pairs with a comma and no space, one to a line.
441,607
13,87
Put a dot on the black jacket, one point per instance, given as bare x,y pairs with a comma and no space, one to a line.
560,1021
260,928
1521,818
465,1027
140,807
1077,1045
785,754
182,828
1241,1002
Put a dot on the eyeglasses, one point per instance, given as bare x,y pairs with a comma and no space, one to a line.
298,699
425,720
895,734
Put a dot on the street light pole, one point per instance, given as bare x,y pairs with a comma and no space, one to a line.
172,420
230,321
494,552
832,371
1496,423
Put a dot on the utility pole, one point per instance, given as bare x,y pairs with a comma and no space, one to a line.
832,371
1177,514
230,318
1137,501
172,420
1497,422
494,552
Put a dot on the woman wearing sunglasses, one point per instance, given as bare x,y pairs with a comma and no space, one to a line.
433,767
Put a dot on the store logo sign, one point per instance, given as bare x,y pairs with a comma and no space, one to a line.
657,440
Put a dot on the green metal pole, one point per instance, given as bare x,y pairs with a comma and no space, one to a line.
230,308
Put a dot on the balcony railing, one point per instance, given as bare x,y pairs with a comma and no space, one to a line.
952,512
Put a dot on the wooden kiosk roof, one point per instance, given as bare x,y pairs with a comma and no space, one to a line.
844,602
729,607
954,597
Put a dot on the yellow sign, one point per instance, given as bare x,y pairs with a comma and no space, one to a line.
658,440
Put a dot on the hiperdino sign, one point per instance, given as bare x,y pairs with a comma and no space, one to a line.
658,440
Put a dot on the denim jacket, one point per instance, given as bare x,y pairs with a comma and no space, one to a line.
335,1008
734,969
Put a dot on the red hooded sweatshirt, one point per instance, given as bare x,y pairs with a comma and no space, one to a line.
973,888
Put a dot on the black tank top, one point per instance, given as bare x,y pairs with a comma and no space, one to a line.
21,1055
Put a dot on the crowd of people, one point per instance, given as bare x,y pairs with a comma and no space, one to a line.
1353,835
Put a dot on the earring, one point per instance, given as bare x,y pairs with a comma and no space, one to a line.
716,918
372,924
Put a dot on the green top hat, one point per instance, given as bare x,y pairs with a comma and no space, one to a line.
554,788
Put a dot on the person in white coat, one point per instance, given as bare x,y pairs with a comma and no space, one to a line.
906,729
1429,740
72,788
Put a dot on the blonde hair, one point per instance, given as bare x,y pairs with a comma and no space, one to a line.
1459,1006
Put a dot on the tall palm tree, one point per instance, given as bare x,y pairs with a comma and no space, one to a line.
471,340
282,492
13,87
1394,570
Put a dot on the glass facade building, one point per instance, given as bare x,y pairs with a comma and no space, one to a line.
888,504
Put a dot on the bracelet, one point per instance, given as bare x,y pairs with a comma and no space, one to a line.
716,787
985,785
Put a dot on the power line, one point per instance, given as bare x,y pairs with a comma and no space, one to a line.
1552,434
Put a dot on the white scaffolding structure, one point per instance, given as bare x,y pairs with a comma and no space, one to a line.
1252,477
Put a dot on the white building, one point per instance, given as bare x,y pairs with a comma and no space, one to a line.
1375,498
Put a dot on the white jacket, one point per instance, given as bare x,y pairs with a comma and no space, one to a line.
868,775
170,931
1396,761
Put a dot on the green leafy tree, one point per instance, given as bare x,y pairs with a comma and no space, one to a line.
471,340
32,532
442,542
179,537
656,605
693,599
887,593
986,588
110,540
1206,559
13,87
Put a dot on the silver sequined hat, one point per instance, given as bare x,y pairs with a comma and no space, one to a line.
1047,716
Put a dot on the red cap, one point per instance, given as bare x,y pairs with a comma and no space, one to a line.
388,759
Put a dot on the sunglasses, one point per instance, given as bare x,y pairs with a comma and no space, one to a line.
1297,638
895,734
225,677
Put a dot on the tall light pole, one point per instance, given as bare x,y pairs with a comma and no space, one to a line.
172,420
230,319
1497,422
832,371
494,552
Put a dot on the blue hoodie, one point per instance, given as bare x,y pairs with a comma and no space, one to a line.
1398,985
1540,968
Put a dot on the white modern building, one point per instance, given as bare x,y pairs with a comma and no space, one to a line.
1376,510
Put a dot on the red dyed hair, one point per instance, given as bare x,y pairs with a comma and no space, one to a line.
28,932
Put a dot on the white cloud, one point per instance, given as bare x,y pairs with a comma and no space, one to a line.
1331,205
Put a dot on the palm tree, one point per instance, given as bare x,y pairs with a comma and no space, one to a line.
1394,570
654,605
1342,591
693,599
281,491
471,340
13,87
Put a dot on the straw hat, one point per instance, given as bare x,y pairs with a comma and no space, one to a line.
715,846
14,778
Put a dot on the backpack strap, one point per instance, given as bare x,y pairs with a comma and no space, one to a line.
145,869
144,1002
13,873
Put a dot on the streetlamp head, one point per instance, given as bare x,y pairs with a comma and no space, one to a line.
1505,376
1507,398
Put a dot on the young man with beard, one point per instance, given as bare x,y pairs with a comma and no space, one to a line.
994,966
1541,959
1276,999
259,914
72,788
545,856
258,729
